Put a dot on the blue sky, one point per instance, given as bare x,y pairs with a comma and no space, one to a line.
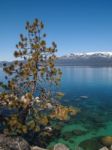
75,25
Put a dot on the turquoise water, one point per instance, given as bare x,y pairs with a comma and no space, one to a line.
89,89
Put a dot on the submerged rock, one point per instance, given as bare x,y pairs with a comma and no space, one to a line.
68,135
91,144
78,132
84,97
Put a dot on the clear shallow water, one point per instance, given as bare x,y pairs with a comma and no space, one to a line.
89,89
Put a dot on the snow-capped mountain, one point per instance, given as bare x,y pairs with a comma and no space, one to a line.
82,59
86,59
88,54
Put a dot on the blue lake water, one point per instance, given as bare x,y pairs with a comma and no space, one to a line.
89,89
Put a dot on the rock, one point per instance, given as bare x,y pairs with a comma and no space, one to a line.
48,128
49,106
37,148
37,99
84,97
78,132
67,136
91,144
104,148
13,143
79,148
107,141
60,146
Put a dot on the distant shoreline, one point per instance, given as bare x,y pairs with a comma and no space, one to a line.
83,66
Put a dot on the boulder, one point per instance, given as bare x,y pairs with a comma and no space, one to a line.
104,148
13,143
37,148
107,141
60,146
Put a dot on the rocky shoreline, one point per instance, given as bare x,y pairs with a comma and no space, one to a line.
18,143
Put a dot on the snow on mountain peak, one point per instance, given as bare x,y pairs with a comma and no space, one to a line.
102,54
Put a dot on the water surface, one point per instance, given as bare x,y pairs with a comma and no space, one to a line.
89,89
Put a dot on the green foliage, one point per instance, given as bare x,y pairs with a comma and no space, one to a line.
35,73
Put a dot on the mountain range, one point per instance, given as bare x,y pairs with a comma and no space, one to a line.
97,59
86,59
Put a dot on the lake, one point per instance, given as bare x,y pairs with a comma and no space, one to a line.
89,89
